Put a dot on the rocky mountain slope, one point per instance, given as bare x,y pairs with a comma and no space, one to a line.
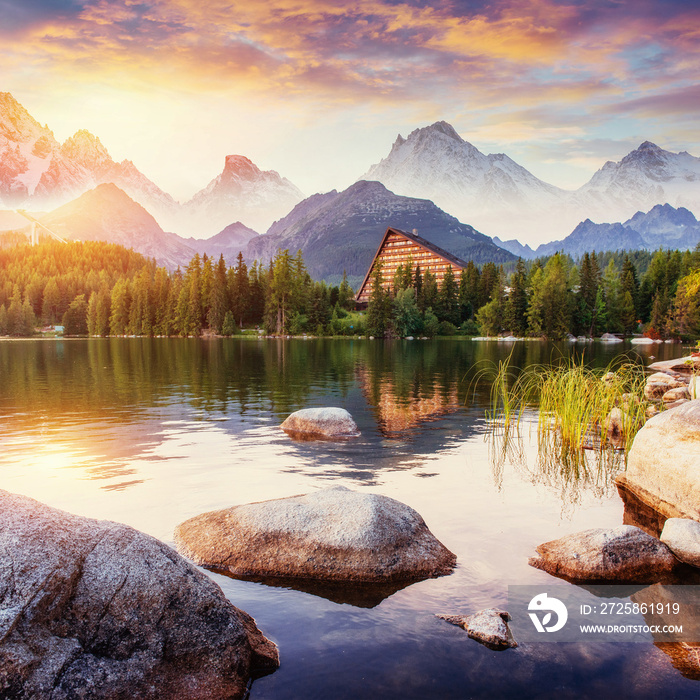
37,172
339,231
503,199
647,176
492,191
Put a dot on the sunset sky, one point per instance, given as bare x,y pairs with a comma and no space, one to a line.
318,90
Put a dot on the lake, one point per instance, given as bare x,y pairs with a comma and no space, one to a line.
150,432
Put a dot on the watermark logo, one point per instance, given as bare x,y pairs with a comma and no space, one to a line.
548,605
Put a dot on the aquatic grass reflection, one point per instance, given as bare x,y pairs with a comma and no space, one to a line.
586,418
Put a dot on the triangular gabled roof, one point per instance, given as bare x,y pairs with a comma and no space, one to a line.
419,240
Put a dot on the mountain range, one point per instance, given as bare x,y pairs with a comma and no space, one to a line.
501,198
663,226
427,179
341,230
39,173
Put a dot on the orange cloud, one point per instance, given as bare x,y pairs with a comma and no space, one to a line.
368,50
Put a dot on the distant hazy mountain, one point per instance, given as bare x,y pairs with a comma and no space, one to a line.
339,231
491,191
229,242
503,199
38,172
647,176
107,213
242,192
661,227
588,236
666,227
515,247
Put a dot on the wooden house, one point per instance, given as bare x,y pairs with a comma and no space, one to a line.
399,247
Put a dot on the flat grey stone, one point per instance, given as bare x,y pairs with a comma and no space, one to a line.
489,627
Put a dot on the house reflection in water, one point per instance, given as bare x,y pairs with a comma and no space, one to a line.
401,410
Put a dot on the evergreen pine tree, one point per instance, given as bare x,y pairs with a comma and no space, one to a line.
448,298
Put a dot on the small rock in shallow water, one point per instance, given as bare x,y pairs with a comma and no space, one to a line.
324,422
489,627
622,553
682,537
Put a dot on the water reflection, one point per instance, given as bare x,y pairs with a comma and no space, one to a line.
108,406
356,593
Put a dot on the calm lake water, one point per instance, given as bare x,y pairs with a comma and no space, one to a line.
150,432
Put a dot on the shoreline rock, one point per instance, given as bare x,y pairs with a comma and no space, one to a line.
663,467
92,608
333,535
682,537
622,553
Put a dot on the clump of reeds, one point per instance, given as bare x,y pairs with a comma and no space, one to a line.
581,412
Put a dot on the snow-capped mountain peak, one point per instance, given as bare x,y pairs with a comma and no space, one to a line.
241,192
87,150
436,163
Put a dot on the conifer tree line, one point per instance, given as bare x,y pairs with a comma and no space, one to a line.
657,293
102,289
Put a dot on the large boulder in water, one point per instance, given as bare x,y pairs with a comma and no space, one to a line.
663,467
94,609
321,422
332,535
622,553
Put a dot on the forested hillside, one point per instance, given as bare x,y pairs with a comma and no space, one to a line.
101,289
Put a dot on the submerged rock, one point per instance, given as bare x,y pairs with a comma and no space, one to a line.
91,608
333,535
622,553
616,423
663,467
322,422
658,601
489,627
682,537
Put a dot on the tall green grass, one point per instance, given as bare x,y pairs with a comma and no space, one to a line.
574,404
